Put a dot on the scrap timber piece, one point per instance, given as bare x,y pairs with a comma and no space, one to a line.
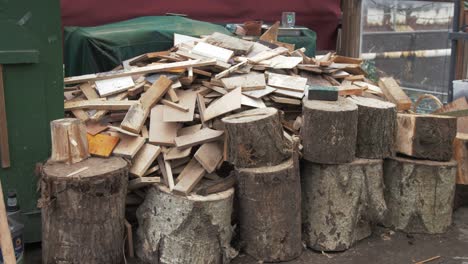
161,133
323,93
228,103
102,145
329,131
202,136
248,82
426,136
143,160
255,138
137,114
395,94
239,46
287,82
460,146
376,128
211,51
128,146
69,142
419,194
341,203
185,229
270,211
189,177
209,155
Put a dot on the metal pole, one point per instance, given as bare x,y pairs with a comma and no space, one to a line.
453,55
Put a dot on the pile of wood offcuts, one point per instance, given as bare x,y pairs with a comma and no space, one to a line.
162,110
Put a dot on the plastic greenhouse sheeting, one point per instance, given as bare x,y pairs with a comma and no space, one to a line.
102,48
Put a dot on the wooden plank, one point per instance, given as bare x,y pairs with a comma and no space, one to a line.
293,94
203,136
94,128
395,94
187,98
282,62
260,93
226,104
292,83
101,145
209,155
8,252
161,133
88,91
201,108
168,181
173,95
239,46
218,63
4,145
176,153
271,35
248,101
230,70
218,186
284,100
135,119
174,105
141,182
114,86
144,132
139,71
100,105
211,51
143,159
459,104
248,82
179,38
152,170
101,113
118,129
128,146
189,177
79,113
267,54
369,87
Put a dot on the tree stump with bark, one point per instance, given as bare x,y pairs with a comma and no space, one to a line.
460,153
83,211
185,229
269,201
419,194
255,138
69,142
376,128
341,203
426,136
329,131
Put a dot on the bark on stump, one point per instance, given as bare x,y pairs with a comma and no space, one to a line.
329,131
419,194
185,229
255,138
69,142
376,128
83,214
341,203
270,211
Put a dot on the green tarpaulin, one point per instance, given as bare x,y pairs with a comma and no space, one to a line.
102,48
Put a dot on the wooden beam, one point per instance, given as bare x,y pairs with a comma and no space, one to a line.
139,71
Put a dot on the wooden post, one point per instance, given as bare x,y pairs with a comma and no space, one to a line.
185,229
329,131
6,243
350,44
419,194
83,211
376,128
341,203
270,211
69,142
255,138
4,147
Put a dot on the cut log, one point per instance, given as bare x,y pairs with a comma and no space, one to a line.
177,229
376,128
426,136
270,211
341,203
460,147
74,207
329,131
419,194
395,94
69,142
255,138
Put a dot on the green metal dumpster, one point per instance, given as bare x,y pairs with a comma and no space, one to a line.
31,56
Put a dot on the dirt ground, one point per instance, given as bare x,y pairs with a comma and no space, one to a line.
383,247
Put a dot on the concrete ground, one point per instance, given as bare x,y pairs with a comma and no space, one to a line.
383,247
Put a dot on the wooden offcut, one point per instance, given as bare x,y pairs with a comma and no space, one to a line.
189,177
100,211
248,82
395,94
143,160
69,142
287,82
187,99
426,136
176,153
97,104
102,145
203,136
209,155
161,133
239,46
142,182
128,146
226,104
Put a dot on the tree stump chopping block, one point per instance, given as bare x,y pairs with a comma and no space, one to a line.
419,194
256,139
83,211
460,147
185,229
270,211
426,136
329,131
341,203
376,128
